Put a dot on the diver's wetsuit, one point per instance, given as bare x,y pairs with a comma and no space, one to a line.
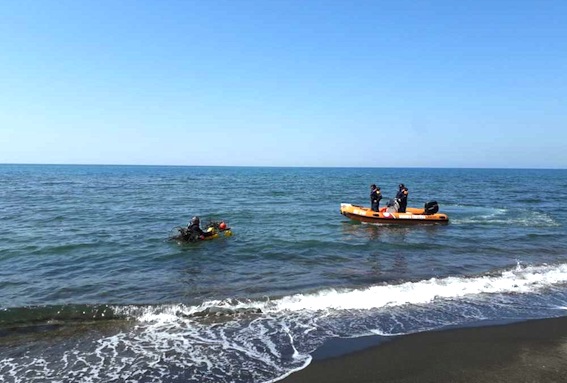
375,197
402,197
193,232
195,229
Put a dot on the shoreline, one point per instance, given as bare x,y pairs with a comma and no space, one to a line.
529,351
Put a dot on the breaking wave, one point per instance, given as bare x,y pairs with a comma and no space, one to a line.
266,339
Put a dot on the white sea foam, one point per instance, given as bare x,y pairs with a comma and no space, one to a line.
517,280
495,216
280,337
264,340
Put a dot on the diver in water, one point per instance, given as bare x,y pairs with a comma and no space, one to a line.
402,198
194,232
375,197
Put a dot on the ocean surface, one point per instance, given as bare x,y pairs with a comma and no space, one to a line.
91,290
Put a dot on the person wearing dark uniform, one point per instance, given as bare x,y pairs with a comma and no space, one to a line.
402,198
194,231
375,197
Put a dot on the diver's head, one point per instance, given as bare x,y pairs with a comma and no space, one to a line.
401,186
373,186
195,220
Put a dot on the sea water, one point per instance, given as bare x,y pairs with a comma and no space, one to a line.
91,290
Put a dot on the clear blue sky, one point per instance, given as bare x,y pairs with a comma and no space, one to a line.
284,83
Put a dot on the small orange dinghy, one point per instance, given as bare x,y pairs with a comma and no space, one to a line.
412,215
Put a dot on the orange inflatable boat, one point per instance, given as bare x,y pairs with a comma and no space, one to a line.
412,215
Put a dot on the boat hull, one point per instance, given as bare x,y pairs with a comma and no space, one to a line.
410,217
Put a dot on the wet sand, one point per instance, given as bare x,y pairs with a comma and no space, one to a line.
532,351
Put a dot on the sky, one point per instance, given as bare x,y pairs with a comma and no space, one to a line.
284,83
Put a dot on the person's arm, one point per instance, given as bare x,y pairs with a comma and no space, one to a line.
196,230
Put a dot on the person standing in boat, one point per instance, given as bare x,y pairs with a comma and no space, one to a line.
402,198
375,197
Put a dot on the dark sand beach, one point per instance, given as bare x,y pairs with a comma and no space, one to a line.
531,351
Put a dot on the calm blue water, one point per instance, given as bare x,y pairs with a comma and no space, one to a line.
91,290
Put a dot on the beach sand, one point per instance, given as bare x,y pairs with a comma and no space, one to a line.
532,351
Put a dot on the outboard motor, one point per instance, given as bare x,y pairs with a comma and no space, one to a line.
393,206
430,208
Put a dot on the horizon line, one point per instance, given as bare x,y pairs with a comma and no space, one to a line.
286,166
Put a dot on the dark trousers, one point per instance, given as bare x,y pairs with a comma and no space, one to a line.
375,205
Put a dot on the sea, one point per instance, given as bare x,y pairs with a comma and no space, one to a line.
93,290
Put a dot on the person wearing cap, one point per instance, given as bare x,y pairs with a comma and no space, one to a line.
402,197
375,197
